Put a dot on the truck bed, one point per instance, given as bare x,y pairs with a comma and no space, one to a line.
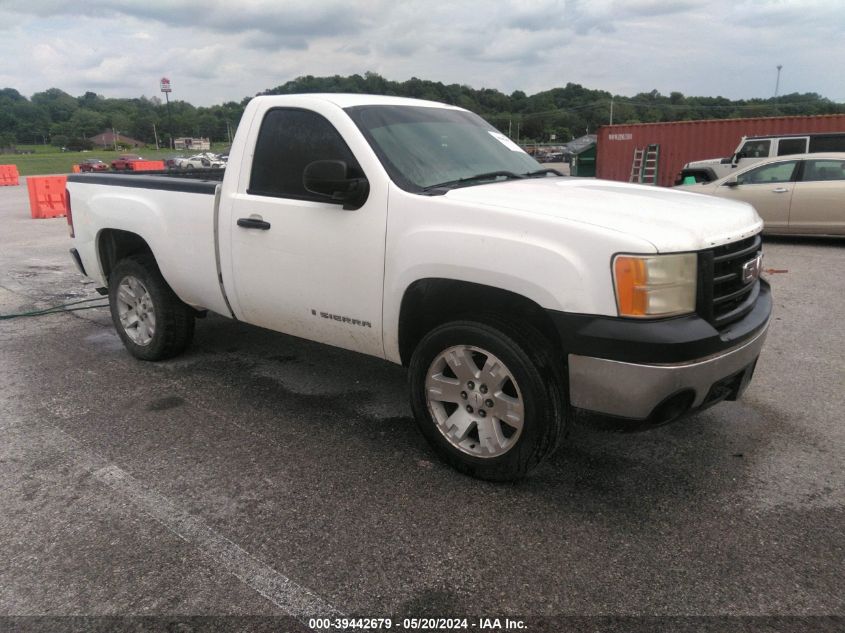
173,212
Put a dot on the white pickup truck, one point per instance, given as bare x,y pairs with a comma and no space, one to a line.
415,232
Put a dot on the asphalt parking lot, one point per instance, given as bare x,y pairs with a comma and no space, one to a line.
263,475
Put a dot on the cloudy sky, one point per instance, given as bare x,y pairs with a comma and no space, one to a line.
222,50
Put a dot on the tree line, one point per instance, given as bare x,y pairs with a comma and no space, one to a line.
57,118
53,116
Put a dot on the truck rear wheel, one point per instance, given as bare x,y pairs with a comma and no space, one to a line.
487,397
152,322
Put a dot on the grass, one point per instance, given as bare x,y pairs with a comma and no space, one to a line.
49,160
40,164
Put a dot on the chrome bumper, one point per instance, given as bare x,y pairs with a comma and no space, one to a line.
631,390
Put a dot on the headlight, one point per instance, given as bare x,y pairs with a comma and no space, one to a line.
655,285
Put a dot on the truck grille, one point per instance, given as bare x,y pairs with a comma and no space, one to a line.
723,297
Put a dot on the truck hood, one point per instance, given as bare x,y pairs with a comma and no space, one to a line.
671,220
705,162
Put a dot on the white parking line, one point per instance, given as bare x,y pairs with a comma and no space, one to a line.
295,600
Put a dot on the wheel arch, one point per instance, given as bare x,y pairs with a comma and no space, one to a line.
116,244
428,303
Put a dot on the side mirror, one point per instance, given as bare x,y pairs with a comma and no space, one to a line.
331,179
731,182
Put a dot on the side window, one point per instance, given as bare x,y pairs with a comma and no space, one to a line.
792,146
823,169
828,143
777,172
287,142
755,149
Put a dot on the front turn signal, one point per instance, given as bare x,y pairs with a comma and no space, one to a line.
649,286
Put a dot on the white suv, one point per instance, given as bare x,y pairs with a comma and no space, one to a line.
753,149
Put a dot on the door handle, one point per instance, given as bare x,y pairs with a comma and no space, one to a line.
780,190
253,223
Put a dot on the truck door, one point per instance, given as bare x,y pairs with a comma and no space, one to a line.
300,263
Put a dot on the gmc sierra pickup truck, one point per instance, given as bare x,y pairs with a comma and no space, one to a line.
416,232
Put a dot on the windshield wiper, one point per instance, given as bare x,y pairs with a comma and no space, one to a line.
490,175
542,172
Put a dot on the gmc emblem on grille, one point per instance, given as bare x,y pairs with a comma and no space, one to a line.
751,270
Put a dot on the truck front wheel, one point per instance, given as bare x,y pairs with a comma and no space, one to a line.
487,397
152,322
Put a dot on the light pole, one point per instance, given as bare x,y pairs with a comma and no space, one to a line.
167,89
777,82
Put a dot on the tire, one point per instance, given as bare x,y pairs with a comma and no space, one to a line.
153,323
450,397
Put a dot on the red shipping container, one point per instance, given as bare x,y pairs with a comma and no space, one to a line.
47,196
684,141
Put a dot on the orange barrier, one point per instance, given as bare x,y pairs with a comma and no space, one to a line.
8,175
75,169
147,165
47,196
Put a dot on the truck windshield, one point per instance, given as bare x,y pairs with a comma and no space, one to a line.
426,148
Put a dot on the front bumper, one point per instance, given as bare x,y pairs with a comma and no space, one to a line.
658,370
641,391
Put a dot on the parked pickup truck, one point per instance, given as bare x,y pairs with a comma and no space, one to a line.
416,232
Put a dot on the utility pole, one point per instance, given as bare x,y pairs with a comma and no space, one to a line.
777,82
155,134
611,110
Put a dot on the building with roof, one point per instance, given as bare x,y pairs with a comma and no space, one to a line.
111,138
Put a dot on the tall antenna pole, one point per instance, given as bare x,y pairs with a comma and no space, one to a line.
777,83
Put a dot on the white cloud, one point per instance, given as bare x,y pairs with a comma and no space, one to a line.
219,50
